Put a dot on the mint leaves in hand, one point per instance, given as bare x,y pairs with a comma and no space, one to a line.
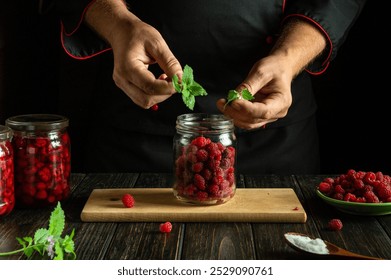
234,94
188,87
48,240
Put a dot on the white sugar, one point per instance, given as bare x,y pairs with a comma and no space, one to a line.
317,245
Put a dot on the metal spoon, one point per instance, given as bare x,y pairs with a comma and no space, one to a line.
317,246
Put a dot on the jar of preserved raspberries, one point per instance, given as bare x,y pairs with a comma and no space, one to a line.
204,159
7,198
42,159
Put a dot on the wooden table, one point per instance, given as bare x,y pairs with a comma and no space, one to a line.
197,240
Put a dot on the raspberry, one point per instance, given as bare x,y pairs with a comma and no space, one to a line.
128,200
165,227
199,181
360,186
202,155
154,107
324,187
200,141
335,224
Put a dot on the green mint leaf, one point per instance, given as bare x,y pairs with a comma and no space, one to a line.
188,87
26,243
69,245
197,90
234,94
177,85
57,221
189,100
41,235
188,77
247,95
59,253
45,240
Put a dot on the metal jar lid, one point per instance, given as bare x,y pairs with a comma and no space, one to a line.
34,122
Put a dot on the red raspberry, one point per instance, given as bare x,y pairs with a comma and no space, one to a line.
197,167
324,187
335,224
202,155
371,197
154,107
199,181
201,141
165,227
128,200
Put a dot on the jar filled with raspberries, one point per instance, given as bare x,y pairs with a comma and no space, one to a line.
42,159
7,198
204,158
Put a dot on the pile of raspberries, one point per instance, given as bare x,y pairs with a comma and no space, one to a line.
358,186
205,170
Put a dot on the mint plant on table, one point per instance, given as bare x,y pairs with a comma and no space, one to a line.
48,240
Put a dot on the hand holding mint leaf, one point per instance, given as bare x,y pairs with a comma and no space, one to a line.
48,240
234,94
188,87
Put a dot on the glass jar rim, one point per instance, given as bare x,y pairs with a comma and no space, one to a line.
204,122
5,132
42,122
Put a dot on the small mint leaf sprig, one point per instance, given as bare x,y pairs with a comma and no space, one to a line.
48,239
188,87
234,94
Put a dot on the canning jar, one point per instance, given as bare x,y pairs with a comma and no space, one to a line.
204,158
42,159
7,198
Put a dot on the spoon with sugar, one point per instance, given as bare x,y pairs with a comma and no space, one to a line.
317,246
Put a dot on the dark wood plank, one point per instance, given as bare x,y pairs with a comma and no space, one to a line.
24,222
219,241
269,238
92,240
144,240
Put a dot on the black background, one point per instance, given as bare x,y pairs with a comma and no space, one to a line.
352,94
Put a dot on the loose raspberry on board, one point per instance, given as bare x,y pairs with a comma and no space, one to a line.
128,200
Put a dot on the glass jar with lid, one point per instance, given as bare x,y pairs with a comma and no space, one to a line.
204,159
42,159
7,198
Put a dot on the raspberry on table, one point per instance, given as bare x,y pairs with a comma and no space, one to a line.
165,227
335,224
128,200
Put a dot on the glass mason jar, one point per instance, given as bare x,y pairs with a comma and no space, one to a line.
204,158
42,159
7,198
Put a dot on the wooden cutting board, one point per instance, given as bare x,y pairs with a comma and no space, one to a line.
280,205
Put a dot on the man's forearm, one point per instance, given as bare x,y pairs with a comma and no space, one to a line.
300,43
104,16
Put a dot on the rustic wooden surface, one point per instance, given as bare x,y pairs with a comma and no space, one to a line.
199,240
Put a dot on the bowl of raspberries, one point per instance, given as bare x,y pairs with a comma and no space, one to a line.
358,192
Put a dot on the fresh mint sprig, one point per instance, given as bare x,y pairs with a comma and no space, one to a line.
234,94
48,240
188,87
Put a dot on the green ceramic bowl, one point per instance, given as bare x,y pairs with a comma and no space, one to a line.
357,208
